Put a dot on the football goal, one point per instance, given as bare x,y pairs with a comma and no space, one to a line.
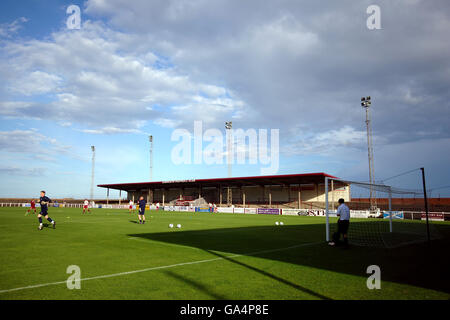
373,222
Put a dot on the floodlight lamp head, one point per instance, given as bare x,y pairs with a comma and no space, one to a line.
93,148
150,138
228,124
363,99
368,98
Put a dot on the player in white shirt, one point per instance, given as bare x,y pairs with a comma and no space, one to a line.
130,208
343,213
86,206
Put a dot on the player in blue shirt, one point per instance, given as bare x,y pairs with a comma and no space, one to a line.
141,215
44,201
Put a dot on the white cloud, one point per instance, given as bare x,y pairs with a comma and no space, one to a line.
17,171
283,35
410,98
110,130
9,29
65,124
36,82
31,141
167,123
16,108
91,77
324,143
304,61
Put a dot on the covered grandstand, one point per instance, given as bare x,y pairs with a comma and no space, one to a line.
300,191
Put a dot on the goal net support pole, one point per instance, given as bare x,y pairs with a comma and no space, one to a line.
390,209
327,229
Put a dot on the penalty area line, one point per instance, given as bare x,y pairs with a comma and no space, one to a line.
162,267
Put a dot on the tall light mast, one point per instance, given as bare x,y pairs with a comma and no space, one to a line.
93,171
366,103
228,127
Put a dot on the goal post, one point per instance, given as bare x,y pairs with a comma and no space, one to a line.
379,226
386,189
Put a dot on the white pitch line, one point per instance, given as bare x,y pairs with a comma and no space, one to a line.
161,267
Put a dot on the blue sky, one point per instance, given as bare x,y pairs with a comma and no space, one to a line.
152,67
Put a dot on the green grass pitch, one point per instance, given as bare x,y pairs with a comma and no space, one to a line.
213,256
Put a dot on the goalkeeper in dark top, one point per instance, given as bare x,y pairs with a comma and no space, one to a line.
141,215
44,201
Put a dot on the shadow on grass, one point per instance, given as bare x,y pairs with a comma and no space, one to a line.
47,225
195,284
272,276
419,265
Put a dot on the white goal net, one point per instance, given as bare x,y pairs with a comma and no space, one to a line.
373,220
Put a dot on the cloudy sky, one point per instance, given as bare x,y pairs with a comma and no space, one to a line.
142,67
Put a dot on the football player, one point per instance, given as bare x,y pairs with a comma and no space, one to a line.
44,201
86,206
33,207
130,208
141,214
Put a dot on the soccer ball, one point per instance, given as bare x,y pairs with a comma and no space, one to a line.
170,225
178,225
277,223
281,223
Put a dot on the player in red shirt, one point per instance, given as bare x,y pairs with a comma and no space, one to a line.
33,207
86,206
130,207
